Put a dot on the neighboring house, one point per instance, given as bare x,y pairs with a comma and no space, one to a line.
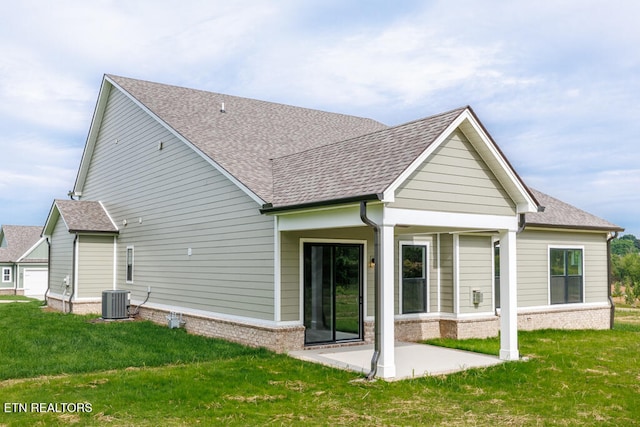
287,227
23,261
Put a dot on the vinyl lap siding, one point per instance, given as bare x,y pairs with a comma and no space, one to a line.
95,265
476,262
454,179
173,200
61,257
533,264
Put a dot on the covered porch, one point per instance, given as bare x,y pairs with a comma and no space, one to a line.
382,232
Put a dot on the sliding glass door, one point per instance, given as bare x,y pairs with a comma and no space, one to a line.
332,292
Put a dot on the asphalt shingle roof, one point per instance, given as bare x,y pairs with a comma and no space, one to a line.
560,214
367,164
19,238
289,155
85,216
250,133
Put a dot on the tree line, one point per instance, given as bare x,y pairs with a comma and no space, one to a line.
625,268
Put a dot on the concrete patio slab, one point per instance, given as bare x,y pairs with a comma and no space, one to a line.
412,360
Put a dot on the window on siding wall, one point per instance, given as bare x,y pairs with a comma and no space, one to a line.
414,278
130,264
6,274
566,275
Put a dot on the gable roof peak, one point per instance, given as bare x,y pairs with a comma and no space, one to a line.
363,165
19,239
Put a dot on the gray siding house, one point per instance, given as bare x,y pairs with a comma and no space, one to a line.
286,227
23,261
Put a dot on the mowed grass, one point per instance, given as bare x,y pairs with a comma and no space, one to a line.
138,373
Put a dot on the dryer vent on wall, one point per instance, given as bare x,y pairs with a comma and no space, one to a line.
115,304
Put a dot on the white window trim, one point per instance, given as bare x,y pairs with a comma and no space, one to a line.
4,269
584,273
415,242
126,264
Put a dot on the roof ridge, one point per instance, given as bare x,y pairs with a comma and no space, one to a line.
387,129
246,98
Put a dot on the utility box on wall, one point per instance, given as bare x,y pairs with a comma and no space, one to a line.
115,304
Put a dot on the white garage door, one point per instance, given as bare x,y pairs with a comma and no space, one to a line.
35,283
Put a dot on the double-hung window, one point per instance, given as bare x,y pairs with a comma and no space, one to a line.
566,275
414,278
6,274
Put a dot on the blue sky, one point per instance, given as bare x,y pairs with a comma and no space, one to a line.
556,83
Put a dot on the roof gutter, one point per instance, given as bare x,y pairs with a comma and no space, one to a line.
377,287
268,208
575,227
522,223
46,293
77,231
74,261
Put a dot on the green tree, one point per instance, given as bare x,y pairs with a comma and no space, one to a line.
624,245
629,274
632,238
625,267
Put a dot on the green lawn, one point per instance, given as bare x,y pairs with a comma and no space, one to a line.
137,373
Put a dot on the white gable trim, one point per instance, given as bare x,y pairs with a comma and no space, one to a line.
52,220
31,249
93,134
108,215
94,128
489,153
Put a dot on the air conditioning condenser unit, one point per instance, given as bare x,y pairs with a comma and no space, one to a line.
115,304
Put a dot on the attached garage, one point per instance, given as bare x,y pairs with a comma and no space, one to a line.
35,282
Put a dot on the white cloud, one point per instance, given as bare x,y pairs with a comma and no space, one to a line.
555,84
34,172
33,165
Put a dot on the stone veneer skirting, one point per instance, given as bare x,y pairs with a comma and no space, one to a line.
287,338
484,327
77,307
279,339
11,291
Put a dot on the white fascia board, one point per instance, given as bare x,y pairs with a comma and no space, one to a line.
498,164
451,220
52,218
49,222
109,216
329,217
487,150
31,249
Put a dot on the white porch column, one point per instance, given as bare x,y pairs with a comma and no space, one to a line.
387,361
508,297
